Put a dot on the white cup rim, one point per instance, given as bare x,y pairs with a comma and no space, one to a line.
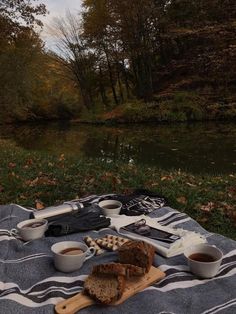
69,244
28,221
198,249
105,202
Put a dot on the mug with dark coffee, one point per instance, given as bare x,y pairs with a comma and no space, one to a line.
204,260
31,229
110,207
70,255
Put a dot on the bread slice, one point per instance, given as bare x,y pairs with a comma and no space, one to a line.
137,253
118,269
105,288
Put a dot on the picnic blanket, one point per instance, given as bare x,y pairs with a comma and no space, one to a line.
29,283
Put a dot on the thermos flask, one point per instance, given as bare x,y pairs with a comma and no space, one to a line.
53,211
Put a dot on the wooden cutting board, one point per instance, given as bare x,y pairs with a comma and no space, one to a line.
133,286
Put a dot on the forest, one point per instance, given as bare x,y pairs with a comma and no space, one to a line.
124,61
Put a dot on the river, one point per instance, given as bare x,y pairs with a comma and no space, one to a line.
196,147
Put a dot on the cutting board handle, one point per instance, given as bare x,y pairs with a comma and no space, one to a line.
74,304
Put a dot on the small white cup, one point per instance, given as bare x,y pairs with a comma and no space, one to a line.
69,263
28,229
110,207
204,269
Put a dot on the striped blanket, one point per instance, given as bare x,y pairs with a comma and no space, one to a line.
29,283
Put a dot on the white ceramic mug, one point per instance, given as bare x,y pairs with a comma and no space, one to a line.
69,263
110,207
204,269
31,229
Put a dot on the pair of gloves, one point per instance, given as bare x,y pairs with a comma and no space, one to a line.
84,220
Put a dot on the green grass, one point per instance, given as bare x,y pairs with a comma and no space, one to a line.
28,176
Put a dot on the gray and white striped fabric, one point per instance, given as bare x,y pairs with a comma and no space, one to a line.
29,283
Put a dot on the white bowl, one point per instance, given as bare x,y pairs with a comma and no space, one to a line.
69,263
31,233
110,207
200,268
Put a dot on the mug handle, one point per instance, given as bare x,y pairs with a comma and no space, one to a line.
14,232
90,253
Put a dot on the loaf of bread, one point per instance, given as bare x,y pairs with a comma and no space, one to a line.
137,253
104,288
126,270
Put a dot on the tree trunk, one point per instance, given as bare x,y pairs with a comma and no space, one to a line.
102,89
111,78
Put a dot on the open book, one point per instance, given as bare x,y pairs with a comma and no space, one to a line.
166,240
163,237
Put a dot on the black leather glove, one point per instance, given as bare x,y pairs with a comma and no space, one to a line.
77,222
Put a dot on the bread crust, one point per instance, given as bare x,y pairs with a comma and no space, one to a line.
99,287
126,270
137,253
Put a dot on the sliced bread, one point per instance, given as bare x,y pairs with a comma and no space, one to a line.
137,253
126,270
104,288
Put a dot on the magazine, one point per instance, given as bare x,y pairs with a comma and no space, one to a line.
142,229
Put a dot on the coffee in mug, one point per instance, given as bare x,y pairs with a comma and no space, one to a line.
32,229
70,255
203,259
110,207
72,251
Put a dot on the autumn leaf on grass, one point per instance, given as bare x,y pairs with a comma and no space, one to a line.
11,165
111,177
1,188
43,180
202,220
23,197
32,182
229,210
208,207
39,205
152,183
166,178
231,192
182,200
62,157
191,184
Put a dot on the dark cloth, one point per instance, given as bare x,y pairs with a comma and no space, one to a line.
90,217
140,202
84,220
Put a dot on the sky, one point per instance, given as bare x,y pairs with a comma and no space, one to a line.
56,8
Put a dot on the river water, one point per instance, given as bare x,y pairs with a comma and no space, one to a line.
197,147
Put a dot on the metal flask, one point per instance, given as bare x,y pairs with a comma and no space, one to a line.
53,211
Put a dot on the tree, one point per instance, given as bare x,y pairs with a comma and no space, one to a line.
75,55
22,11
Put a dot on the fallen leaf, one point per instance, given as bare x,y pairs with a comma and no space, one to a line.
62,157
191,184
208,207
202,220
182,200
43,180
39,205
166,178
1,188
91,180
29,162
11,165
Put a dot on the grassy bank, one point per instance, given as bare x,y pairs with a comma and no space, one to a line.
26,177
177,106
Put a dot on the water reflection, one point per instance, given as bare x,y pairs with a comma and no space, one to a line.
199,147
